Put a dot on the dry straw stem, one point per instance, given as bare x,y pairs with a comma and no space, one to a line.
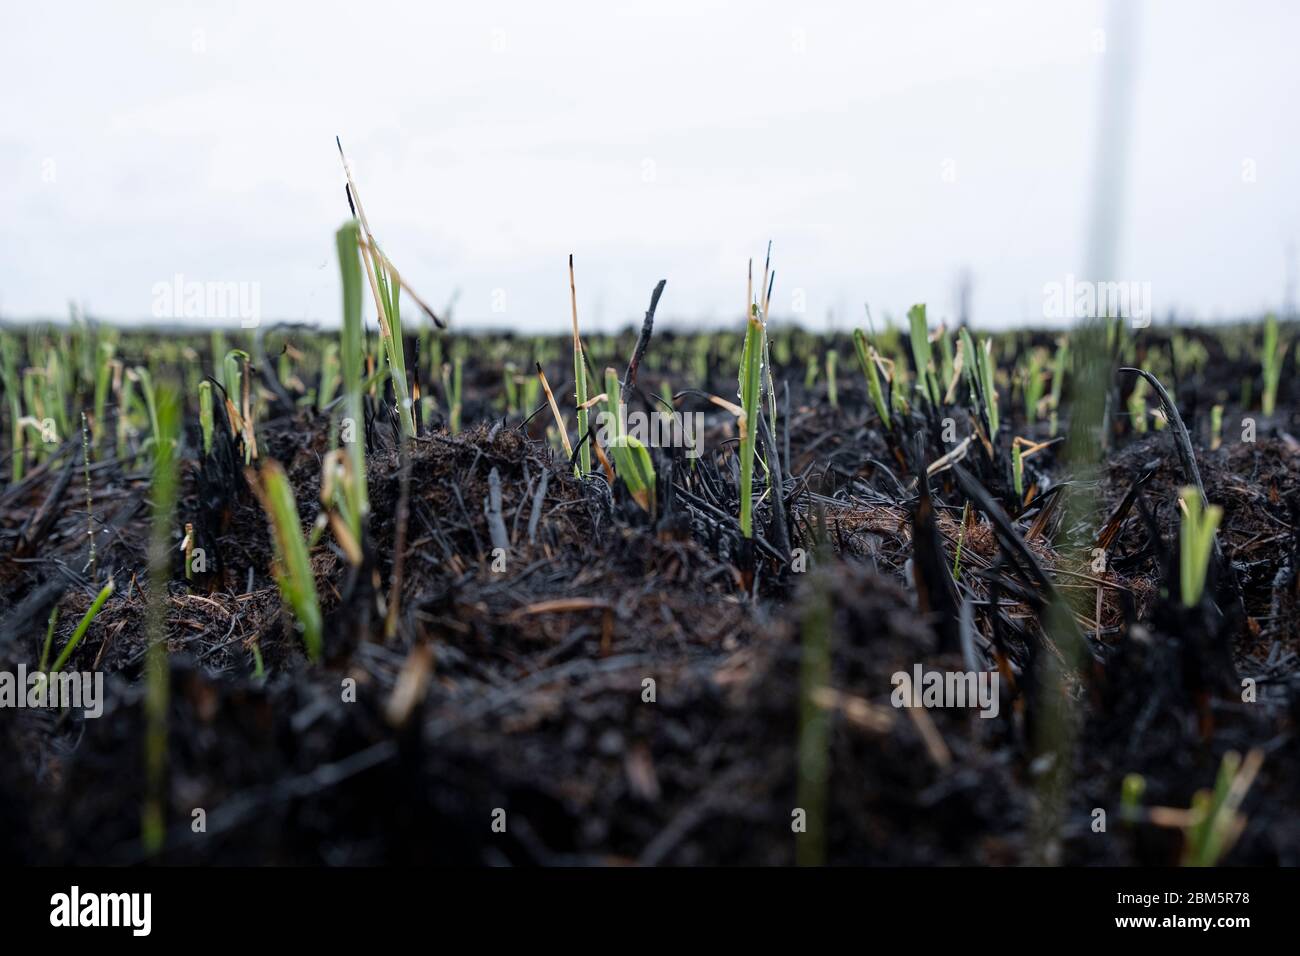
935,745
605,464
560,606
555,411
859,711
742,420
389,328
336,478
374,250
945,462
411,686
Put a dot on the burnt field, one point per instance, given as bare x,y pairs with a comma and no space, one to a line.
480,626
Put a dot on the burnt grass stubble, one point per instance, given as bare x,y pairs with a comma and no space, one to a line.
538,709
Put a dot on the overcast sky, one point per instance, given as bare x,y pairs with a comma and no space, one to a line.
883,147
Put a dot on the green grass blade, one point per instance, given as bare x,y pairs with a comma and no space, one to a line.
750,370
631,458
872,375
157,674
352,347
206,419
293,572
920,338
82,627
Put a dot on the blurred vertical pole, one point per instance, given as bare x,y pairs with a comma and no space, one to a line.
1090,388
1288,293
157,666
1093,375
1111,145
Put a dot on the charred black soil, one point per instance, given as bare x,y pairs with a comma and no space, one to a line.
622,685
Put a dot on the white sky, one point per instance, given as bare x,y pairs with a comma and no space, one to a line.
491,139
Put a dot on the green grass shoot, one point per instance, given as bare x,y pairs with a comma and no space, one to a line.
329,376
389,286
452,379
1196,544
1032,385
293,571
922,354
167,404
1059,364
979,365
866,359
352,351
13,393
82,626
1130,799
750,382
1271,360
832,381
49,637
579,379
206,419
103,379
1214,823
631,458
1137,406
1018,474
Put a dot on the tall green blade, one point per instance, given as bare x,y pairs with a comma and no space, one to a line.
352,346
750,369
872,375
